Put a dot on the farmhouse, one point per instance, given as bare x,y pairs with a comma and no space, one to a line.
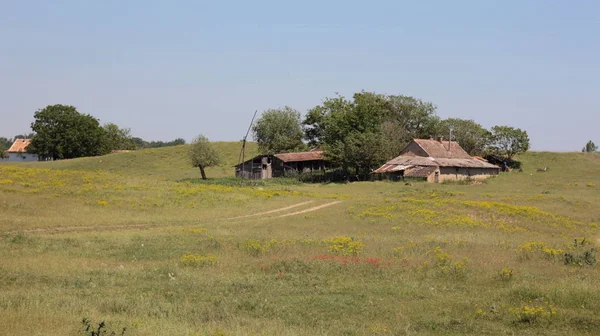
278,165
18,151
436,161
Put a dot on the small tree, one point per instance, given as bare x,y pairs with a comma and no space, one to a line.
508,141
279,131
116,138
590,147
203,155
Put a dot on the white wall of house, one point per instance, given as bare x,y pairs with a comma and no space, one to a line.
22,157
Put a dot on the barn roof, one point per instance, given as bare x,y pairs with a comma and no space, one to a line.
19,146
439,162
301,156
442,149
420,172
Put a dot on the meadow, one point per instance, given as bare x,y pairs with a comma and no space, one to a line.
129,240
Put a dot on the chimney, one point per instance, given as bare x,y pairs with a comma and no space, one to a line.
440,139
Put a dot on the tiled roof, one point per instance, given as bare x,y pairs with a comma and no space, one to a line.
19,146
442,149
301,156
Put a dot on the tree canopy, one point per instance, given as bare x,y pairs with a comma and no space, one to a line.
61,132
116,138
202,155
279,131
471,136
371,128
508,141
590,147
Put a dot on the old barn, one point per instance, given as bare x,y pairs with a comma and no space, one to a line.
278,165
436,161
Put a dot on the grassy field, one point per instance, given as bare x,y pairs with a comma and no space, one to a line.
168,163
119,239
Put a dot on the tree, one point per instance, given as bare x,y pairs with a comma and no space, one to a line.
61,132
471,136
203,155
508,141
590,147
417,118
279,131
5,144
116,138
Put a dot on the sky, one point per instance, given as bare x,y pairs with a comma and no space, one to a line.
169,69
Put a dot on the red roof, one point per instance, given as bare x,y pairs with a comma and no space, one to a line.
301,156
442,149
19,146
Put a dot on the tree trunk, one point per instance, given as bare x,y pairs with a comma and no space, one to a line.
202,172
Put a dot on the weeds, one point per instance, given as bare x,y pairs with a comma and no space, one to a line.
100,330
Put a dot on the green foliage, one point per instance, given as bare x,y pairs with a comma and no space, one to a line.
64,133
140,143
417,118
4,144
590,147
202,154
279,131
508,141
471,136
116,138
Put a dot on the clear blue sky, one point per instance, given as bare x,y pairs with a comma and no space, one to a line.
170,69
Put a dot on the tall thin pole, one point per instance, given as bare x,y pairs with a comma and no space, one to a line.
243,153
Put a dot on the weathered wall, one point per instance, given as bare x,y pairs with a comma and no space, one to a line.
454,174
22,157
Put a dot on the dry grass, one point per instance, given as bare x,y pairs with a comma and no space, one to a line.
389,260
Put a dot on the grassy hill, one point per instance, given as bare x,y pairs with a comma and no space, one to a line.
107,239
163,163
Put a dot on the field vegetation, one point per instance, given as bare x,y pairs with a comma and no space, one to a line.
129,240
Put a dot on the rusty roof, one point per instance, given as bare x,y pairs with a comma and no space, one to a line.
301,156
19,146
442,149
439,162
389,168
420,172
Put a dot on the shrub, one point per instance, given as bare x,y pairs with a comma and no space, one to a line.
346,246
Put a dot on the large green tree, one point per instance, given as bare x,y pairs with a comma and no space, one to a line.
471,136
61,132
371,128
590,147
202,154
279,131
509,141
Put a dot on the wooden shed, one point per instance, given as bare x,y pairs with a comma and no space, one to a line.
279,165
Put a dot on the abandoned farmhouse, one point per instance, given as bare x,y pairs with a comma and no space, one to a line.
436,161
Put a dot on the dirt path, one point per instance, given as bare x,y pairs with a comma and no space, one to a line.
309,209
272,211
75,228
64,229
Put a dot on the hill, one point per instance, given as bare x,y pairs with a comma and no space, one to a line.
515,255
168,163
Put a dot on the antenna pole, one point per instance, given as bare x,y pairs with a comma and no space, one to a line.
243,151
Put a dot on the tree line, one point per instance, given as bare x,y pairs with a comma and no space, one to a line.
361,133
62,132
